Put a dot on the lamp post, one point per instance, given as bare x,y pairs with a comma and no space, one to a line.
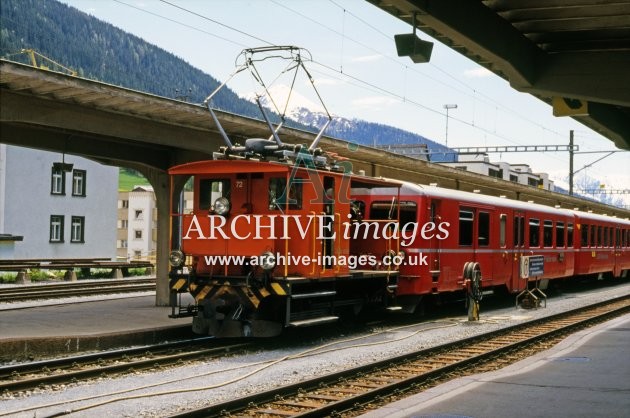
448,107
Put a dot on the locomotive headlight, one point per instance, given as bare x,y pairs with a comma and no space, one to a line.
267,261
221,206
176,258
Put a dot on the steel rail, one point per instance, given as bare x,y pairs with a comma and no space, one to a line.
318,397
14,294
73,368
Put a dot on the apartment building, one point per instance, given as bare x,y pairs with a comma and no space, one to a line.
62,206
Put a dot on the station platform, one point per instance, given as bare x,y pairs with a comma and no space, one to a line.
38,331
586,375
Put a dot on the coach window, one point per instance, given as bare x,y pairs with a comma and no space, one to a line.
617,237
548,233
560,234
584,236
570,235
465,227
278,193
483,229
593,236
519,231
600,236
609,238
534,232
212,189
408,212
502,223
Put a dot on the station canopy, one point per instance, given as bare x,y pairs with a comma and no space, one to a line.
572,54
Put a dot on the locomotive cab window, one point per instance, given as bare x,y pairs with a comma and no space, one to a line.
279,196
212,189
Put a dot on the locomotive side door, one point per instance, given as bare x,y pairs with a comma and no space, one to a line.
517,249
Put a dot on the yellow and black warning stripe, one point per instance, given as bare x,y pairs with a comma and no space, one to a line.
241,292
178,284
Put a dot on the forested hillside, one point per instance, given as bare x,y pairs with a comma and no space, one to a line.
100,51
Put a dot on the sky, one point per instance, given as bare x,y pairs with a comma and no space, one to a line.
359,75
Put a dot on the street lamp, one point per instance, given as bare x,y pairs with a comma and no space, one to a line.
448,107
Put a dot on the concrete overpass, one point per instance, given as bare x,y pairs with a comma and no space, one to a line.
117,126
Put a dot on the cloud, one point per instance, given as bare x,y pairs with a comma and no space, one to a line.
478,73
367,58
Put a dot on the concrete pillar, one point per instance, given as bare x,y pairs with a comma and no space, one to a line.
23,277
160,182
70,276
116,273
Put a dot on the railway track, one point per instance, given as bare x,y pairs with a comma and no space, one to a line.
60,290
350,391
70,369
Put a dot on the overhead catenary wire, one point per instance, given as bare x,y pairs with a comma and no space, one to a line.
358,80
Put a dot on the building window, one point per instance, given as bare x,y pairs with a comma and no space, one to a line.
124,224
56,228
138,234
78,229
58,182
122,243
138,214
124,204
495,173
78,182
513,178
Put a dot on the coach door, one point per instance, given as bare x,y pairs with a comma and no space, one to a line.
517,250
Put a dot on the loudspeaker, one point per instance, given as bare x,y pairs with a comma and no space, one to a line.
409,45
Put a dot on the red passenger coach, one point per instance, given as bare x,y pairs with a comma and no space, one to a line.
489,235
603,246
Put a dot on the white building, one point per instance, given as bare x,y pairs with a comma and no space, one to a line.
60,210
137,223
517,173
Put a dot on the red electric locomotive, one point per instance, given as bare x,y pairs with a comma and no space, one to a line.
268,242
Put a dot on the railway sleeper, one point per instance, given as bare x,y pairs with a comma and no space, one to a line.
269,411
